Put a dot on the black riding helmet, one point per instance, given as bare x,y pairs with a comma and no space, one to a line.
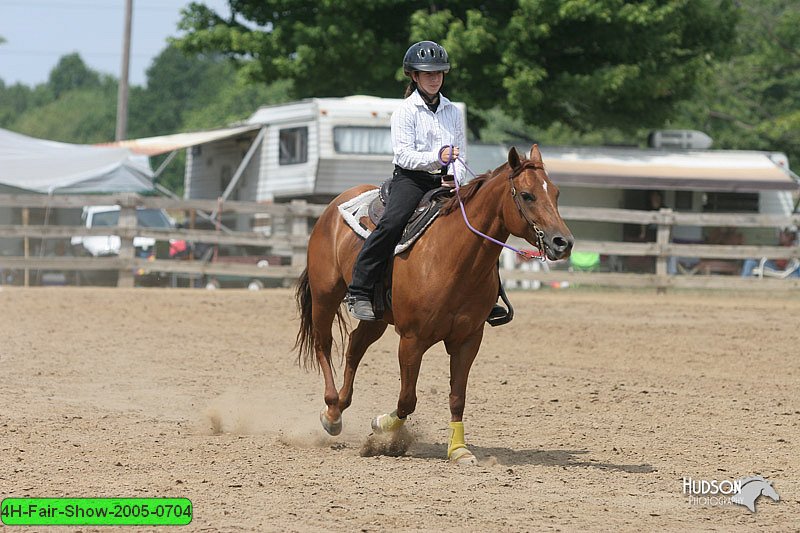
426,56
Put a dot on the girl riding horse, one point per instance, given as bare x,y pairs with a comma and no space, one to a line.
443,287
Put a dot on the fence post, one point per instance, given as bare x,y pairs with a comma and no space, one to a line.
126,225
299,233
26,246
662,240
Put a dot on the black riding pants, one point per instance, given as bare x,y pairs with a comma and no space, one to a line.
404,196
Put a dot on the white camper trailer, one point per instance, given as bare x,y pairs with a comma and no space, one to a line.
698,181
312,149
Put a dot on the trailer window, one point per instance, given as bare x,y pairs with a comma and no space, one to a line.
362,140
293,146
730,202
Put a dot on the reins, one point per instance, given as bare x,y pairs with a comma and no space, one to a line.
525,254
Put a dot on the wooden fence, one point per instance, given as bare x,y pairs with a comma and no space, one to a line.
292,243
663,249
288,229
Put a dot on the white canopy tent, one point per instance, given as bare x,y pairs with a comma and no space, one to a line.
35,165
168,143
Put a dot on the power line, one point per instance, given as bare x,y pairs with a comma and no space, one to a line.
7,53
106,6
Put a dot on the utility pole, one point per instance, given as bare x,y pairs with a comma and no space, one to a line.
122,93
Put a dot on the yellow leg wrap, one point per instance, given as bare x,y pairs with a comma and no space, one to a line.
387,422
457,451
456,438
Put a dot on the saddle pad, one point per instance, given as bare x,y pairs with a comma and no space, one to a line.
354,209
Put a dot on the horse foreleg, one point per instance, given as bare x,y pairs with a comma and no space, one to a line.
462,355
390,437
410,356
362,338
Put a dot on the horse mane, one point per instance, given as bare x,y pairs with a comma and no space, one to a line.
467,192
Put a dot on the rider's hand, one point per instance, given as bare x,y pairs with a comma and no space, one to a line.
448,154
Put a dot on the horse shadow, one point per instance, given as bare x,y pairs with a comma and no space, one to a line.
511,457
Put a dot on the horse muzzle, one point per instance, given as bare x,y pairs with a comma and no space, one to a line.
558,246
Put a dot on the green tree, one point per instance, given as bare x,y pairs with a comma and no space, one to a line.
178,85
14,100
750,101
235,102
584,63
86,115
175,81
76,104
191,91
498,127
71,73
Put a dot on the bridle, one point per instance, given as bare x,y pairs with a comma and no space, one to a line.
532,165
525,254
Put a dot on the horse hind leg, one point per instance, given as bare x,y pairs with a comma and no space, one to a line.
360,340
325,311
330,417
325,287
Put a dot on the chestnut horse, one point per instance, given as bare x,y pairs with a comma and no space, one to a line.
443,287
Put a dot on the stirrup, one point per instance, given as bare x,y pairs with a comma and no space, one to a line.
500,315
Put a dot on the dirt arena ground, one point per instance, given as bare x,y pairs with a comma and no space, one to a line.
585,412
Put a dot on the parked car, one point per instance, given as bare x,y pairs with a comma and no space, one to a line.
109,245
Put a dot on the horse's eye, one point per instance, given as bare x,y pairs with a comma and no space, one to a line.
528,197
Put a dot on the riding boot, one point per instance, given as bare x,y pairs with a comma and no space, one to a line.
361,309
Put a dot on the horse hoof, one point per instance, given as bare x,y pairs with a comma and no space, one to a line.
333,428
462,456
387,423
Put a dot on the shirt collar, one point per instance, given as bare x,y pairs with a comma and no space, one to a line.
417,99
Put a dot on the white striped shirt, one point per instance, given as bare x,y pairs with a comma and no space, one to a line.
418,134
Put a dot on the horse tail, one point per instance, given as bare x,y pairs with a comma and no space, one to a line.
304,343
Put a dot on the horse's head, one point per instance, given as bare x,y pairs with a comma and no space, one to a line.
770,492
531,210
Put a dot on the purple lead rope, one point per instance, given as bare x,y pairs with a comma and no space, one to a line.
525,254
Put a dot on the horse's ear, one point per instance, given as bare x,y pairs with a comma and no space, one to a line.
514,159
536,155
